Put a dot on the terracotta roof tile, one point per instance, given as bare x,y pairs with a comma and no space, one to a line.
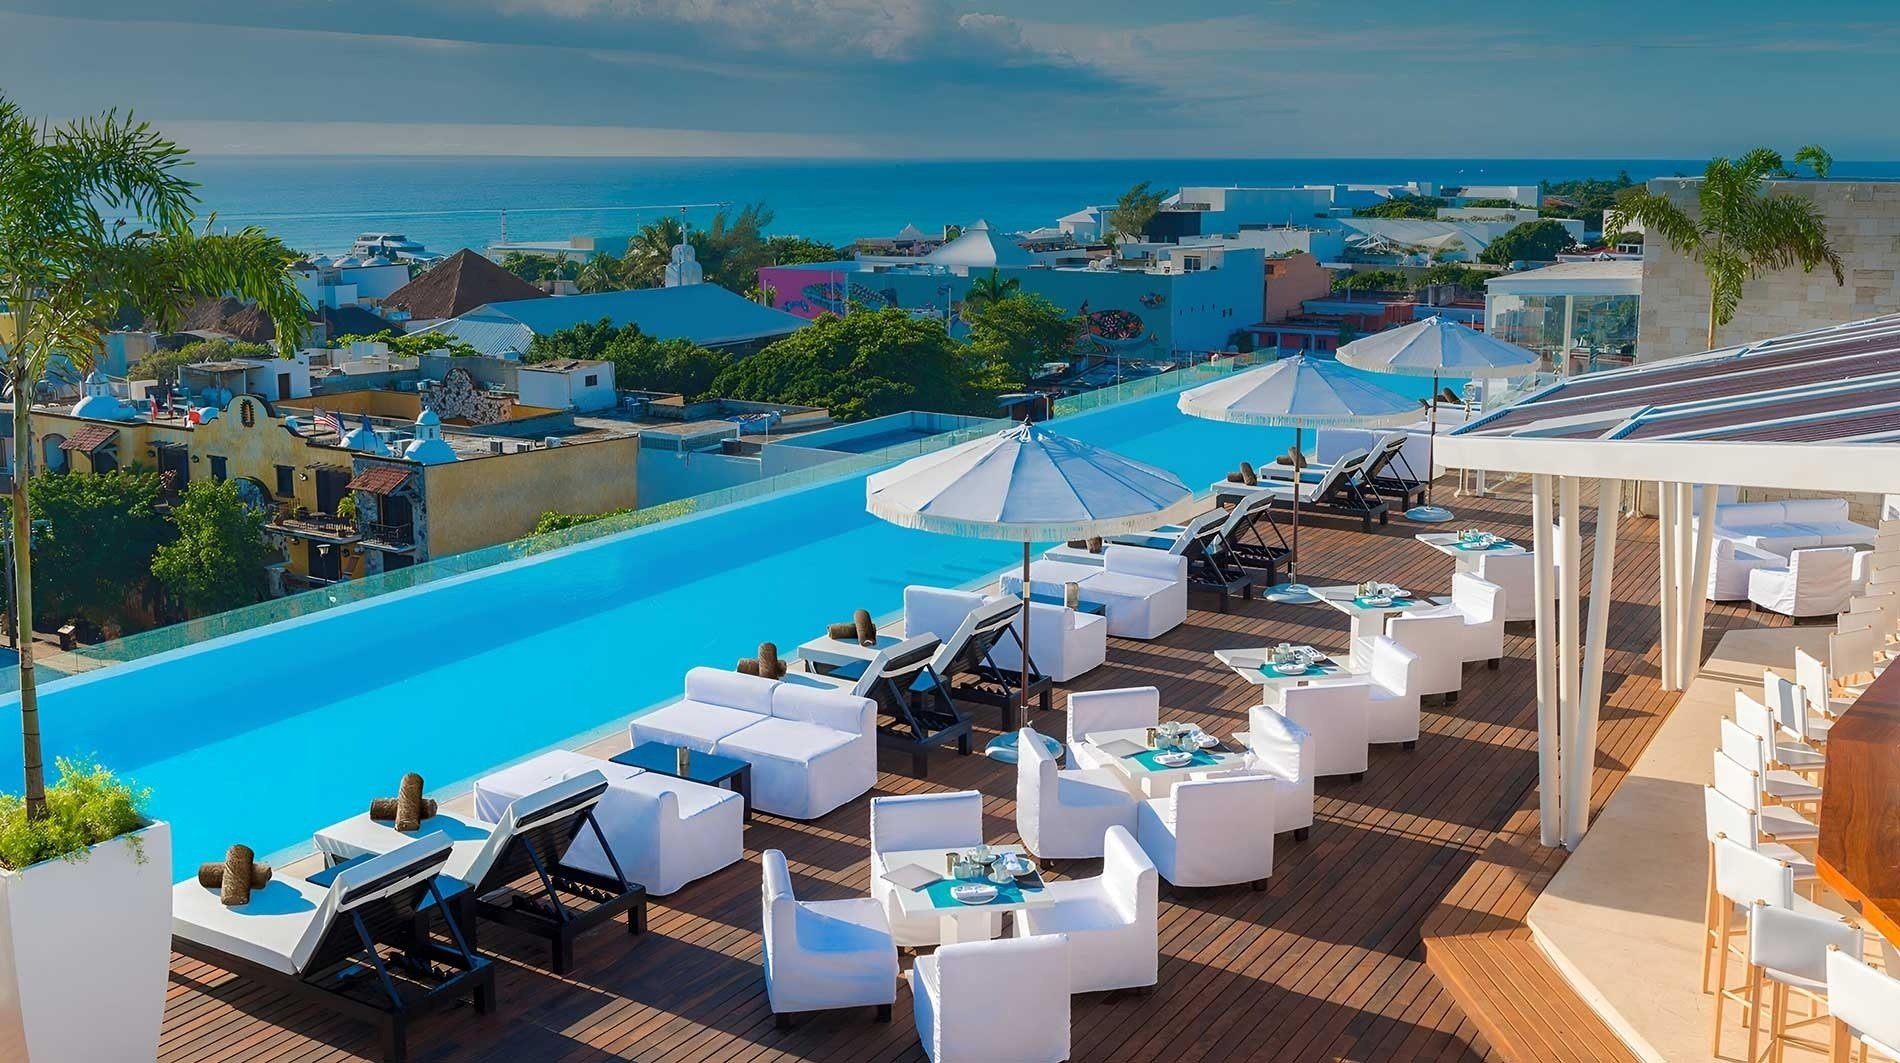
379,479
90,438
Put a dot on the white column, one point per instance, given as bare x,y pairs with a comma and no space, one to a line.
1549,759
1666,605
1569,638
1580,767
1685,569
1698,591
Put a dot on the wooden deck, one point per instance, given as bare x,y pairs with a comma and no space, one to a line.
1326,964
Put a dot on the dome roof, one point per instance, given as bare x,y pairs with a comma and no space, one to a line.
428,417
365,439
99,403
977,247
429,451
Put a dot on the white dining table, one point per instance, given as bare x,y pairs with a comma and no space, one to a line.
1466,558
1252,664
1367,620
959,922
1148,782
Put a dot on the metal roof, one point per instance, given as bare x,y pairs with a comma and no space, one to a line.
1772,406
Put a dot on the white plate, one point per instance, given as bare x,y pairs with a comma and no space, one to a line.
1376,601
974,893
1290,668
1207,741
1173,760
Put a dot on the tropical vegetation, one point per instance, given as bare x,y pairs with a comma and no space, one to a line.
1404,207
1128,219
93,542
217,561
70,262
865,365
985,291
640,362
1585,199
536,269
1532,241
85,807
163,366
1738,230
1015,336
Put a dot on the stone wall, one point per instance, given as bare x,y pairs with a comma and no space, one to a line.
1863,219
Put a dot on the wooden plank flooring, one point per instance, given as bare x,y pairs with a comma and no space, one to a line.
1326,964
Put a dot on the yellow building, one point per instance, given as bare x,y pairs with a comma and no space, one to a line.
415,493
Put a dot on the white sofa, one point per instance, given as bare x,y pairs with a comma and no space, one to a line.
994,1001
1063,815
1782,527
822,955
1213,831
811,749
1144,591
1065,643
1815,581
664,832
1112,920
1120,709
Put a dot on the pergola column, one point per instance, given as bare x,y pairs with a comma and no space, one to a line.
1549,736
1580,749
1667,627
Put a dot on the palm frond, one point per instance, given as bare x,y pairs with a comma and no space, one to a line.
1656,214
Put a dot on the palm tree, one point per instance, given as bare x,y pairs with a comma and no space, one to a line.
66,270
650,249
1815,157
985,291
602,273
1737,232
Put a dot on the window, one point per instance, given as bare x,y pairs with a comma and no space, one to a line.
219,468
286,481
591,380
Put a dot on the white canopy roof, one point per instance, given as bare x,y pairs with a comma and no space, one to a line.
1299,392
979,247
1438,347
1027,484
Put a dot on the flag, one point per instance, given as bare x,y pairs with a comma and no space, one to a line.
331,421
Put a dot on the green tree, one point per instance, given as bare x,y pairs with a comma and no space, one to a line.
1403,207
415,344
640,361
602,273
217,561
991,289
1532,241
796,250
732,247
1016,336
94,552
163,366
649,250
1816,158
1584,199
1131,214
1737,233
68,265
1371,280
863,366
535,268
554,521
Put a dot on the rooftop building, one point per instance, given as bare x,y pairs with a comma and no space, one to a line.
706,314
462,282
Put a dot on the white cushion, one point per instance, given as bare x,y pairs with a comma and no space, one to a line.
784,740
735,689
264,931
696,725
837,711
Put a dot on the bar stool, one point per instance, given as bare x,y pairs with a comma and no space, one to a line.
1787,955
1865,1006
1741,876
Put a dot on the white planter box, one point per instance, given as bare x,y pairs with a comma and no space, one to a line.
85,950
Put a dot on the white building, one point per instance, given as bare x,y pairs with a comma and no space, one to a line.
584,385
349,280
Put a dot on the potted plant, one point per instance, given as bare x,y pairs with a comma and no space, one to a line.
85,920
85,897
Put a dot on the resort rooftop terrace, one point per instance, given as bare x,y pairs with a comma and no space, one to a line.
1328,963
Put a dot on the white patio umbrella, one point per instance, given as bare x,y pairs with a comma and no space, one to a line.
1437,347
1298,393
1027,484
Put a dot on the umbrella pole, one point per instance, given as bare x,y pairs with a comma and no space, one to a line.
1431,441
1299,479
1023,693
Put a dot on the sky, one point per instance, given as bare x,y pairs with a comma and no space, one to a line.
969,78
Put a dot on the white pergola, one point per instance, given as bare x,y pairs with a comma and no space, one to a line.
1812,411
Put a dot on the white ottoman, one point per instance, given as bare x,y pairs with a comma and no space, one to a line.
664,832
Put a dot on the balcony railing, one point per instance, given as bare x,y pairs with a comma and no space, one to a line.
390,536
327,527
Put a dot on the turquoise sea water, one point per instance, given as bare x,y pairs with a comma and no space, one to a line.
264,737
320,204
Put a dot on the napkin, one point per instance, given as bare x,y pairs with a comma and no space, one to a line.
1122,747
911,877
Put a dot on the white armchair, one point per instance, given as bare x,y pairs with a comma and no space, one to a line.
920,821
1337,716
1065,643
664,832
1516,575
1063,815
994,1001
1112,920
1212,832
1392,698
1730,563
1436,638
1284,751
1481,603
821,955
1121,709
1815,582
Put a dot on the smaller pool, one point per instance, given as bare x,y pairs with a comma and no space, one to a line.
10,671
880,432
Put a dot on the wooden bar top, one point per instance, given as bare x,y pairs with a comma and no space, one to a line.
1859,853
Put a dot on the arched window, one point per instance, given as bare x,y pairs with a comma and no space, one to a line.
55,457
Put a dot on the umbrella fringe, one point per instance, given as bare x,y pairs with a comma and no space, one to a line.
904,517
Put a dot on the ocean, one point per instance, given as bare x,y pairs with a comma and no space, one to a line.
319,204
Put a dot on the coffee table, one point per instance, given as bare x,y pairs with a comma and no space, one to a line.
1146,779
957,921
1467,557
709,768
1253,666
1367,620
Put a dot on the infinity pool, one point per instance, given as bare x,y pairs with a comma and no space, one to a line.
262,738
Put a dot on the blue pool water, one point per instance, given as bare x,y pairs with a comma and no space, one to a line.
263,737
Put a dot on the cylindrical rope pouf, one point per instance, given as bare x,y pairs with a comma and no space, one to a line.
409,803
